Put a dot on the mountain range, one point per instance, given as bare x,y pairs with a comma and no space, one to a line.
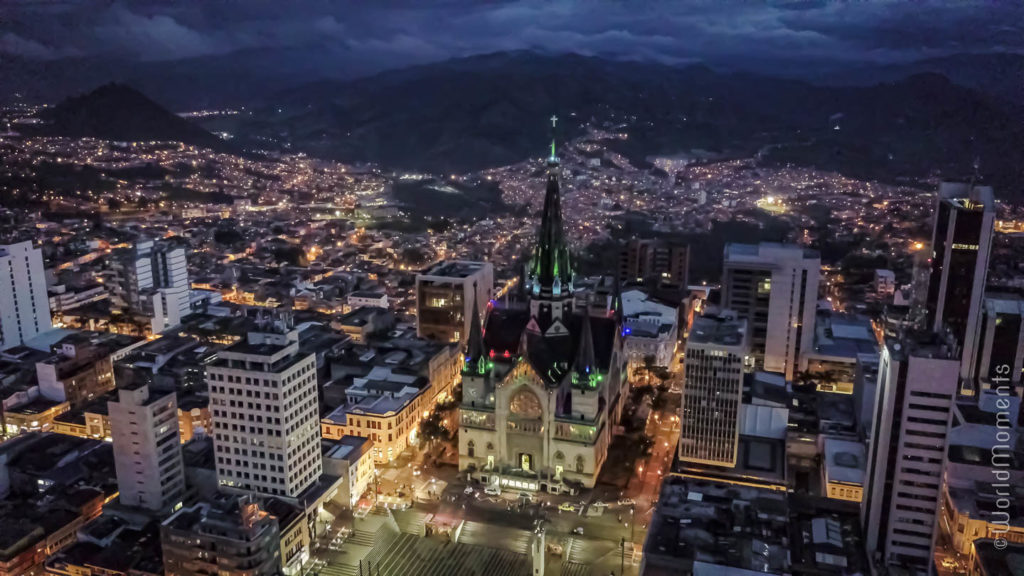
248,76
483,111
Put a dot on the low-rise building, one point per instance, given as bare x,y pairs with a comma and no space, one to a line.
652,330
230,537
362,298
111,546
705,527
35,416
383,406
350,458
842,470
840,342
363,323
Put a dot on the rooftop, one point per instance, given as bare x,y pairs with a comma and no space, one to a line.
845,461
700,521
766,252
720,331
454,269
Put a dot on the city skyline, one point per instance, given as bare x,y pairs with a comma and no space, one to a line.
568,289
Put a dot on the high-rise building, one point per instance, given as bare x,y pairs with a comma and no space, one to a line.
151,278
716,357
228,538
917,386
775,287
1000,349
961,242
263,396
147,450
654,262
444,298
26,307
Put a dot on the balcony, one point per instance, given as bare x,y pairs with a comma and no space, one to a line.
480,419
582,432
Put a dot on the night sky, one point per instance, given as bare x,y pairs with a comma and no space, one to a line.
370,35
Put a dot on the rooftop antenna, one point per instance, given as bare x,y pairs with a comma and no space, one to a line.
971,193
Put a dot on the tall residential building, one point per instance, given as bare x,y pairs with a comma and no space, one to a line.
775,287
1000,348
263,395
961,242
444,298
716,355
228,538
26,307
654,262
917,386
151,278
147,450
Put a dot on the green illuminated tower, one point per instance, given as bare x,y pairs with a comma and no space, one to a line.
550,278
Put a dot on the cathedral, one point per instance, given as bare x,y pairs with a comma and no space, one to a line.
544,381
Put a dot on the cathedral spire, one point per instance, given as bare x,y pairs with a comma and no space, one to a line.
616,311
476,352
550,273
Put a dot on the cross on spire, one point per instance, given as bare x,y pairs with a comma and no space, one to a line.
554,157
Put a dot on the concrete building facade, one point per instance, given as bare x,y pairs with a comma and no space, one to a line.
717,354
263,396
775,287
444,298
147,449
26,308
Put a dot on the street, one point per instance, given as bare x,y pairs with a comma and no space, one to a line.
604,529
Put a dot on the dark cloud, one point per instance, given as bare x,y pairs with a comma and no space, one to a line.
386,33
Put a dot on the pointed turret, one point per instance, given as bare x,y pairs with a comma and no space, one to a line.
585,366
616,305
476,352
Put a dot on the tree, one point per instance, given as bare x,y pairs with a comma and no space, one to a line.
646,445
432,430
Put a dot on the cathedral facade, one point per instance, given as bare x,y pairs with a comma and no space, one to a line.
544,382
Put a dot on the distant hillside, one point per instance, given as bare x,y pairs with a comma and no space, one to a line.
120,113
1000,75
491,110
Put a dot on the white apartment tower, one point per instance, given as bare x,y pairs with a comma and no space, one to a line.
266,421
152,278
147,448
25,309
775,287
917,386
716,357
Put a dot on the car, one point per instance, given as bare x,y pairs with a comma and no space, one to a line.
566,507
416,471
626,502
599,504
492,491
526,496
468,490
578,531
